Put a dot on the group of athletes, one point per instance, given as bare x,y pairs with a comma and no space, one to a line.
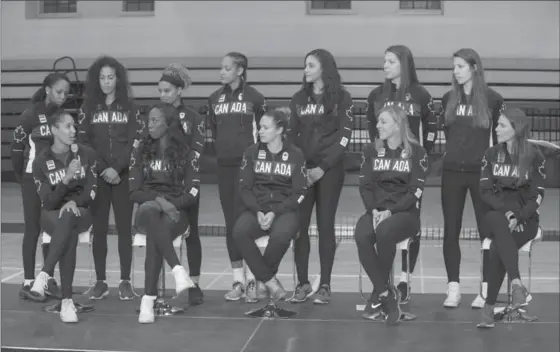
270,178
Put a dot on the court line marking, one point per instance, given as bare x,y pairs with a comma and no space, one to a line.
357,320
57,349
251,337
429,277
217,278
13,276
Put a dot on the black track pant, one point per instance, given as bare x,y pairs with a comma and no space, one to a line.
232,206
377,262
325,193
504,251
160,232
247,230
117,195
454,187
64,233
32,225
194,247
413,251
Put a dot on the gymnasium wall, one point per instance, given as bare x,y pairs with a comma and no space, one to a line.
501,29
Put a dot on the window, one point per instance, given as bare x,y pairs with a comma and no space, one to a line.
138,5
329,7
420,5
57,6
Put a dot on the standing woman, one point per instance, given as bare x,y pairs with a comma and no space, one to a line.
173,82
512,185
235,111
66,181
321,126
470,112
110,124
31,137
401,87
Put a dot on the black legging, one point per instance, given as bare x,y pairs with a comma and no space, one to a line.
32,226
194,247
232,205
504,251
377,263
247,230
454,187
325,193
413,250
64,233
160,232
122,207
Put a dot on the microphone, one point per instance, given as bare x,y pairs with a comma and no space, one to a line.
74,149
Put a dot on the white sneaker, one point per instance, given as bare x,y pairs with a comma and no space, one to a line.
453,295
147,315
479,301
40,284
68,311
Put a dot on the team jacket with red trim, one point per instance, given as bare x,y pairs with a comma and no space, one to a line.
323,138
233,118
498,183
48,173
194,126
111,132
147,182
31,137
269,182
465,144
419,107
391,179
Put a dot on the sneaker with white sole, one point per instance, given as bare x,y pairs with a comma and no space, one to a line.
147,315
237,292
478,302
453,298
37,291
68,311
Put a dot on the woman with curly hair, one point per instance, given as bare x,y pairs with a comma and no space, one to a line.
173,82
321,126
161,182
109,122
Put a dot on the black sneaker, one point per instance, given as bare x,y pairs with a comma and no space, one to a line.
391,307
404,289
196,297
374,308
24,292
52,289
180,302
99,291
126,293
323,295
487,317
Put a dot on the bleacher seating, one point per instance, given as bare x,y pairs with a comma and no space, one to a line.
532,84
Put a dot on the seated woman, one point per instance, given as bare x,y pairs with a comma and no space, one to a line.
512,184
161,183
273,181
66,178
391,184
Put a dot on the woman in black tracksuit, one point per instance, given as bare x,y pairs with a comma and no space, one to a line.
512,185
31,137
392,180
65,176
273,180
162,183
173,82
470,113
234,112
110,123
401,87
321,125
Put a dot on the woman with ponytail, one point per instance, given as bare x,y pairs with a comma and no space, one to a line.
512,185
173,82
272,185
31,137
234,112
162,184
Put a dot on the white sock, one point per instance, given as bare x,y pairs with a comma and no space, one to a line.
239,275
403,277
484,289
153,298
195,279
248,274
182,279
27,282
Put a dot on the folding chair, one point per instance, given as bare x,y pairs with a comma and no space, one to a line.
506,313
403,246
271,310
